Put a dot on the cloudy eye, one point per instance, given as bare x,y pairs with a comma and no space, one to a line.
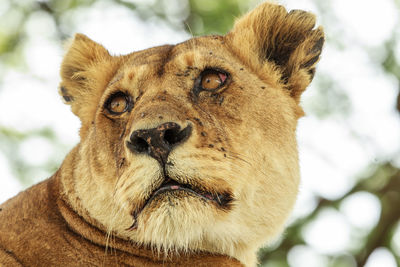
118,103
212,80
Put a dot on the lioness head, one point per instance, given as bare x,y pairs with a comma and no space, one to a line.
192,146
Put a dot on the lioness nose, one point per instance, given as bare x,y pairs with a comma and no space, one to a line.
160,141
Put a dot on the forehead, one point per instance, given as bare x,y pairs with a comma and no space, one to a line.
162,55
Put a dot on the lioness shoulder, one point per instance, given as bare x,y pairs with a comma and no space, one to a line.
187,152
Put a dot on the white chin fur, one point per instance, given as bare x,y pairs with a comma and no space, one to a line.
175,223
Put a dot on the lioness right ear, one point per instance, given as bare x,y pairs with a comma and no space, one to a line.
86,70
277,43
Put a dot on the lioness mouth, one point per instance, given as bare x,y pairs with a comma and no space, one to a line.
222,200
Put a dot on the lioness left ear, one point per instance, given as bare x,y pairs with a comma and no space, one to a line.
86,70
270,39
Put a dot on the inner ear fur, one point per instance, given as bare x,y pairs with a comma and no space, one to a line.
86,69
280,44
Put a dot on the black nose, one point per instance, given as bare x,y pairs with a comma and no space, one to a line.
158,142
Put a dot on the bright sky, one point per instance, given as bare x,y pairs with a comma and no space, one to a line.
333,151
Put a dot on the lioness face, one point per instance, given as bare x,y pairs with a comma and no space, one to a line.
192,146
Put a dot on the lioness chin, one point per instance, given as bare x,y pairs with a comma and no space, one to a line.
187,156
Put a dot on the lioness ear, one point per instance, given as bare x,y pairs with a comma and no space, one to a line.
269,39
86,70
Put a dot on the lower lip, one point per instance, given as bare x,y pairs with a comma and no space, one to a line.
178,188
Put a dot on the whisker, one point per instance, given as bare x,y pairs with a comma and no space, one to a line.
239,158
115,211
242,158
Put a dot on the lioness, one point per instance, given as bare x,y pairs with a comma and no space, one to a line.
187,156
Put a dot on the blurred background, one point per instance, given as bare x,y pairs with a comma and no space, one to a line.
348,209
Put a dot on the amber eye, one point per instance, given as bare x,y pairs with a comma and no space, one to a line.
212,80
118,103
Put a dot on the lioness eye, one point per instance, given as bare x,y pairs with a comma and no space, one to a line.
118,103
212,80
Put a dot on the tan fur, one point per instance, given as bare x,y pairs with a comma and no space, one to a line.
242,141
